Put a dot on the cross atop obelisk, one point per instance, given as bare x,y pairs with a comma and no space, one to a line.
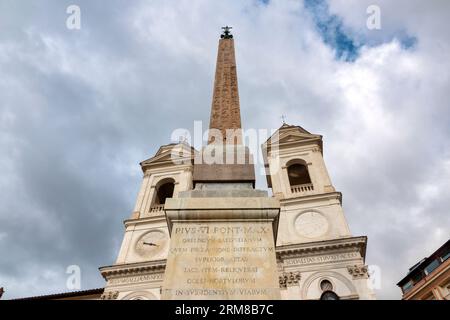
226,33
225,111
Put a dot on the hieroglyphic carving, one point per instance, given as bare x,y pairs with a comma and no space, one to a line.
225,111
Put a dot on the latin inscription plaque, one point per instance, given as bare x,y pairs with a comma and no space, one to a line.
221,260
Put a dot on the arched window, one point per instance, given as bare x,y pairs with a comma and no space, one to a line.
164,190
327,291
325,285
298,173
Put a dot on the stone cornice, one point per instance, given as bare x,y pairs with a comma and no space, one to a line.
289,251
165,165
305,141
316,140
238,209
153,218
312,198
156,266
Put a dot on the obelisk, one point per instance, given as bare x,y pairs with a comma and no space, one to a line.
223,231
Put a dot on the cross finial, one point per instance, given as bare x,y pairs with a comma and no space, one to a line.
226,33
283,118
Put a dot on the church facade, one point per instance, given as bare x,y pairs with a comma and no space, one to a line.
314,255
201,230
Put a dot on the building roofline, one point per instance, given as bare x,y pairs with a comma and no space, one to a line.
64,294
418,267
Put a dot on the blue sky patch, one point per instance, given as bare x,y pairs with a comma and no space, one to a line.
332,30
345,42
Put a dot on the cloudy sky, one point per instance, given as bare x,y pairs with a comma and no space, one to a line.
79,109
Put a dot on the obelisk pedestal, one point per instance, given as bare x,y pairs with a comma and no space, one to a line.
222,247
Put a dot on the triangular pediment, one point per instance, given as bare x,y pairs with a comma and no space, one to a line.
170,153
291,134
295,136
165,149
164,156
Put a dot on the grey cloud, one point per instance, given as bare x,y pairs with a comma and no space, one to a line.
81,109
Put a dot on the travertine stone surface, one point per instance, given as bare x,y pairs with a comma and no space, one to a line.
243,209
222,248
224,172
221,260
223,190
224,163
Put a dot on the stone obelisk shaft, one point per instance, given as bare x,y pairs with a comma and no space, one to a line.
225,159
225,111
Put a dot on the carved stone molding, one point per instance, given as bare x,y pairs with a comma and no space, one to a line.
333,196
147,173
135,215
279,195
109,295
358,271
298,250
130,269
288,279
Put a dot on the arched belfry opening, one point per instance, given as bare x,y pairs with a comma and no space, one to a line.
298,173
164,189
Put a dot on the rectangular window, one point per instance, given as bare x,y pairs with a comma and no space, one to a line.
408,286
430,268
445,257
417,277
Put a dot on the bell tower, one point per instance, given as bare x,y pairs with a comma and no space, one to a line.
317,256
299,179
139,269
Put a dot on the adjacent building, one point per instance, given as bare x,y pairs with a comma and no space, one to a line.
429,279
